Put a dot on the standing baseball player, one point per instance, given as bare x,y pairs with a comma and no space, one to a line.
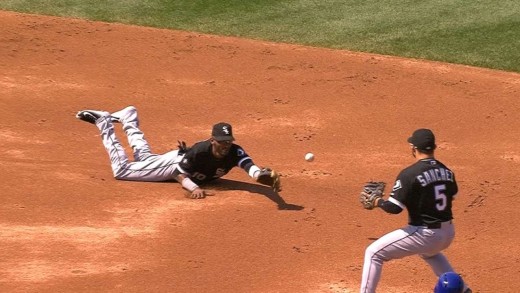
204,161
426,190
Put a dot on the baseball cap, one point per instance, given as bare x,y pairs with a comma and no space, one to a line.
423,139
222,131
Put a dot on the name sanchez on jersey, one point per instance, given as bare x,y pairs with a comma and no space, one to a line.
434,175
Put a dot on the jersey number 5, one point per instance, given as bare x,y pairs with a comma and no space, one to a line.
440,197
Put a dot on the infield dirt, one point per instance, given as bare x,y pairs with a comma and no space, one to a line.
68,226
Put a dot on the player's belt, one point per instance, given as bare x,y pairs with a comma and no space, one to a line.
437,225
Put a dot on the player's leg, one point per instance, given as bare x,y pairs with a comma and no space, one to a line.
152,168
410,240
439,263
102,120
130,121
378,252
437,240
147,166
435,258
116,152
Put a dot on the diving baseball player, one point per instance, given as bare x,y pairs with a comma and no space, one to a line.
204,161
426,190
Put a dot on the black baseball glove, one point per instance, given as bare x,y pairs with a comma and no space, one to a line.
183,148
270,178
372,190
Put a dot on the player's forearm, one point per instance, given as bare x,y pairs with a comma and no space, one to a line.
253,171
194,191
388,206
186,182
189,185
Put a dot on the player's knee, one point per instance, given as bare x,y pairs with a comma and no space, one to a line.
373,252
120,172
118,176
370,252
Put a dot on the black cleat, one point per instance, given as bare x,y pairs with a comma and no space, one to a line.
90,116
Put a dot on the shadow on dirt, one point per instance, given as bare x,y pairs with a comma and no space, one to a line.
226,184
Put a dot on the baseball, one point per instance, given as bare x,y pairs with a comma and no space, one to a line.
309,157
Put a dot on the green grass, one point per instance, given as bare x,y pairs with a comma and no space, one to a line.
483,33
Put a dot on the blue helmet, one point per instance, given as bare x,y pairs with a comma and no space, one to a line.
449,282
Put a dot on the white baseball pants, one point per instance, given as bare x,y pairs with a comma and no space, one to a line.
410,240
146,165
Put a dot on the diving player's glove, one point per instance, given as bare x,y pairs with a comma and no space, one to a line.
372,190
271,178
183,148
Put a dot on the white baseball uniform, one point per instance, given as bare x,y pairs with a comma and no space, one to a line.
146,166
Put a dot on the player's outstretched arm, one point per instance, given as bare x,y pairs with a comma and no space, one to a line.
264,176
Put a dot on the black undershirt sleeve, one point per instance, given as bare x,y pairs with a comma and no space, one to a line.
389,207
176,172
246,165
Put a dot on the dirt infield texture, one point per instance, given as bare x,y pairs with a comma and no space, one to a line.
68,226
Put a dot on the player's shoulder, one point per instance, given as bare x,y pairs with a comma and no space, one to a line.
409,171
200,147
439,163
237,150
412,170
422,166
431,164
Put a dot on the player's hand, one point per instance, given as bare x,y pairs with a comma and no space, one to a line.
270,178
199,193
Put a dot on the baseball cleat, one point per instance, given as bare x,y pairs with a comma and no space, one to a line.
116,116
91,116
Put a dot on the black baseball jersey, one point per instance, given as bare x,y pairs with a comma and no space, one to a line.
201,166
426,189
